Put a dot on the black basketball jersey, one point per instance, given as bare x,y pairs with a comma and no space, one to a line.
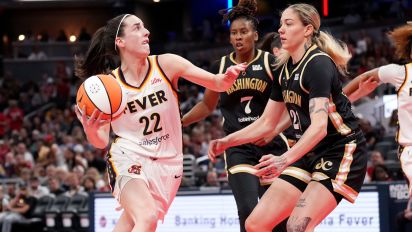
245,101
315,75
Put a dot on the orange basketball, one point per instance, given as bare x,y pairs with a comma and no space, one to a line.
104,93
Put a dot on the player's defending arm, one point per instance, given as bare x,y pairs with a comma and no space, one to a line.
202,109
362,85
261,127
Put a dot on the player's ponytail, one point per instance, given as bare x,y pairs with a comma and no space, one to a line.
101,56
337,50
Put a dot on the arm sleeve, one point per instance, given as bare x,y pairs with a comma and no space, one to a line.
392,73
318,77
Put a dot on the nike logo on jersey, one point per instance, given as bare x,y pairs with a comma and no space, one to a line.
257,67
176,176
151,100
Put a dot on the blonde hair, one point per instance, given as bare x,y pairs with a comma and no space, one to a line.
337,50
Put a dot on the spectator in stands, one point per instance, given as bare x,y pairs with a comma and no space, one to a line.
61,36
73,182
381,173
15,115
404,217
4,149
45,155
61,175
94,173
43,37
36,190
21,149
4,124
212,179
94,161
19,208
89,184
4,201
37,54
9,164
106,186
54,186
84,35
375,158
48,89
79,171
25,175
11,189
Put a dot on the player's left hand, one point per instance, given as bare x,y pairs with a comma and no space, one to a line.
271,165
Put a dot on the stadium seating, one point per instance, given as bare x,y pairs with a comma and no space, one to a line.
70,216
189,165
53,213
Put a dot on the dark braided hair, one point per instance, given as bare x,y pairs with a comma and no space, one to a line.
245,9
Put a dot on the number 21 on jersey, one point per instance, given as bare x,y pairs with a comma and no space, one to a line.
295,120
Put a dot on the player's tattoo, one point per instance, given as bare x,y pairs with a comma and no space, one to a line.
296,224
301,203
319,109
311,106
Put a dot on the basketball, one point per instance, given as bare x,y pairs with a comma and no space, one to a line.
101,92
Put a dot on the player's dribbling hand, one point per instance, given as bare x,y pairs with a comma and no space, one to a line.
216,148
94,122
270,165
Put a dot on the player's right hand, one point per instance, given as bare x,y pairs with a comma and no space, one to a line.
232,73
368,85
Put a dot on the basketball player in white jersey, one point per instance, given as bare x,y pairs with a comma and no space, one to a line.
399,76
145,161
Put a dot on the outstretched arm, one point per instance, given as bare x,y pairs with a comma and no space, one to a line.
362,85
261,127
202,109
176,66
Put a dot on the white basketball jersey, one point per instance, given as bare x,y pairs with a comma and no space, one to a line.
151,123
400,77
